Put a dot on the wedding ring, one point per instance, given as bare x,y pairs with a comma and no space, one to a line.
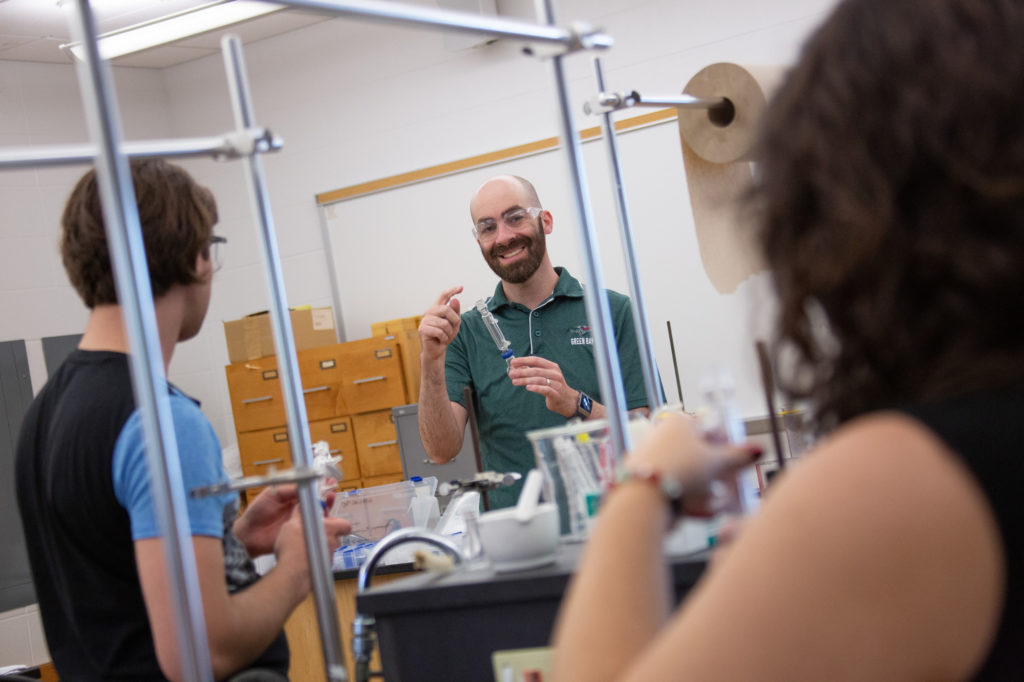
547,380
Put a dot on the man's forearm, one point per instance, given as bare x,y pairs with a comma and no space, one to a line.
439,427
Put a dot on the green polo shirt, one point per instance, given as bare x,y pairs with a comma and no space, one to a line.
556,330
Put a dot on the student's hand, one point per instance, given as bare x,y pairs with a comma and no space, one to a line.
440,324
290,545
543,377
675,448
259,525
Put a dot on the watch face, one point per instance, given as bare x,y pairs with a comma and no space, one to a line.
586,404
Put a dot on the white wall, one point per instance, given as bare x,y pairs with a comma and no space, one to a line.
354,102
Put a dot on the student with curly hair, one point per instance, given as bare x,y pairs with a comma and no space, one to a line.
891,214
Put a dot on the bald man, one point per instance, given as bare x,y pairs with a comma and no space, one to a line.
540,310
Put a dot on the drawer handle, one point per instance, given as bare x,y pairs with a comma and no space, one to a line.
261,399
382,443
369,379
335,451
268,461
314,390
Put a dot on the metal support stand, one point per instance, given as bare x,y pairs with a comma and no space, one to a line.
609,373
648,364
233,145
288,365
128,259
131,274
605,102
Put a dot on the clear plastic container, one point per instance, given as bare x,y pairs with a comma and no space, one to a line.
374,512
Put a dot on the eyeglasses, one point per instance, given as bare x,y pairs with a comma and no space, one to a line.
486,229
215,251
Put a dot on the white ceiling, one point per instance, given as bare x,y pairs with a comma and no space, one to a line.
33,30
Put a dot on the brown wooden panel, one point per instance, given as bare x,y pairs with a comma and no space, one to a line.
255,389
307,661
372,374
264,451
409,346
321,382
377,444
339,435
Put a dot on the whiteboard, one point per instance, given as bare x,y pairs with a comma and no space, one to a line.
396,250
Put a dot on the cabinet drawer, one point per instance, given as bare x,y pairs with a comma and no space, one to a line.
255,389
263,451
321,382
377,444
338,434
371,375
258,403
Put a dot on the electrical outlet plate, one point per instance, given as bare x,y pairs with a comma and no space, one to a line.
522,665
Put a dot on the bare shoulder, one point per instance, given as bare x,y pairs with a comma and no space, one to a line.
877,553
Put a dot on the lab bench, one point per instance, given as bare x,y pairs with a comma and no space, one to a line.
445,626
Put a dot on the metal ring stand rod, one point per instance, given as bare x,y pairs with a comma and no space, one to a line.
680,101
648,364
131,274
226,147
465,22
609,373
605,102
287,361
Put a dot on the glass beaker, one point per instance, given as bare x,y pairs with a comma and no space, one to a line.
577,467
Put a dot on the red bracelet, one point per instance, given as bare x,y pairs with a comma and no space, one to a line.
670,488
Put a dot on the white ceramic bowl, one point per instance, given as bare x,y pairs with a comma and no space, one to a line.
512,545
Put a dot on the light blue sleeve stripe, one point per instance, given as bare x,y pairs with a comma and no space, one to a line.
201,465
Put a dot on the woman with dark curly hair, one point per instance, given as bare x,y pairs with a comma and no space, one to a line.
891,213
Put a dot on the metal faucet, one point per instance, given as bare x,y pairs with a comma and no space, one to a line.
363,626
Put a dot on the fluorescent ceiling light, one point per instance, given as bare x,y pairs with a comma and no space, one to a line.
174,27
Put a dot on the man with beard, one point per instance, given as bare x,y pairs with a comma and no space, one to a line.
540,310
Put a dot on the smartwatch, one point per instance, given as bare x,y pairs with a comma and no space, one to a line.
584,406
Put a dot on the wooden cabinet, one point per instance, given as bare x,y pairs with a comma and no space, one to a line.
349,390
372,375
255,389
264,451
337,432
377,443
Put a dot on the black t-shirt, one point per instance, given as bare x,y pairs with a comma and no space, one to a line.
79,536
986,430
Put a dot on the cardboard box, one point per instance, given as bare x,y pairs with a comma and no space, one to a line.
390,327
251,337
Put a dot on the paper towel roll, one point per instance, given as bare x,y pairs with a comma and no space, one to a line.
716,151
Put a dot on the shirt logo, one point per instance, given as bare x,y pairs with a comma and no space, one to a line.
580,336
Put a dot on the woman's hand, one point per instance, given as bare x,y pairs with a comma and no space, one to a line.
675,449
